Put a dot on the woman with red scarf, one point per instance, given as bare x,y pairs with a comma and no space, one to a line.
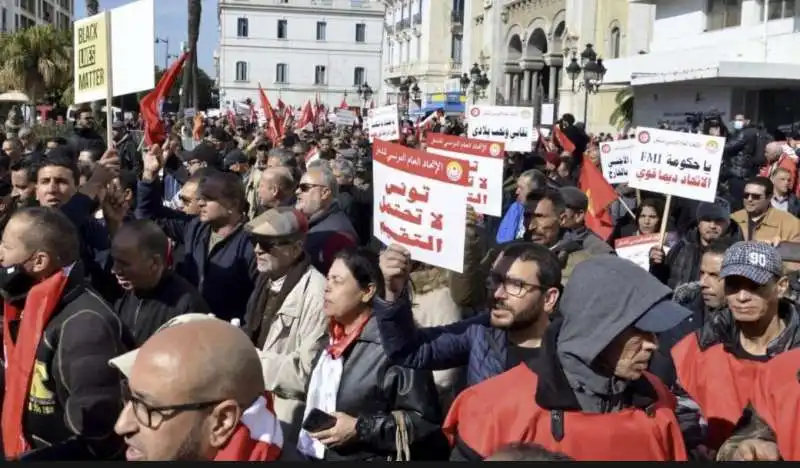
359,406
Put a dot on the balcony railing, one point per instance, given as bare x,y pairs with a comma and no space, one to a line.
418,18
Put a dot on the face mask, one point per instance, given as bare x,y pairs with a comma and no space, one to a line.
738,124
15,282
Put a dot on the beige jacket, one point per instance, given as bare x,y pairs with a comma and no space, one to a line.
251,191
295,339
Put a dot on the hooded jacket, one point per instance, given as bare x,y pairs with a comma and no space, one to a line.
560,399
593,318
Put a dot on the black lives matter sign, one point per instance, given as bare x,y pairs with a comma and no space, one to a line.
91,55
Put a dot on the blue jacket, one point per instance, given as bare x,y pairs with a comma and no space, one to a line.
226,275
509,226
473,342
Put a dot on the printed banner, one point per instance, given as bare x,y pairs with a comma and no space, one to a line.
510,125
384,123
615,160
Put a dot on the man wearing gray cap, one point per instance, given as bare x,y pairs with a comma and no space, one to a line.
577,204
717,365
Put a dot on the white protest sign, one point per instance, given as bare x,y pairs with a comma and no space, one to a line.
637,248
485,168
109,57
675,163
510,125
420,202
384,123
615,160
345,117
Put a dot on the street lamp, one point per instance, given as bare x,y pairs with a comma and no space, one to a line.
365,93
166,52
407,90
593,71
479,80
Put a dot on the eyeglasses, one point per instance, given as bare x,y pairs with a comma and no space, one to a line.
153,416
307,187
268,244
512,286
753,196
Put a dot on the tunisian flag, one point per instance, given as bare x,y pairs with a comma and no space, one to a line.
563,141
600,195
150,105
257,438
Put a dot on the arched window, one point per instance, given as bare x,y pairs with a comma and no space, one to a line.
614,43
241,71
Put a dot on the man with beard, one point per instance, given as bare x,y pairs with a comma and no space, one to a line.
153,293
524,286
129,156
84,131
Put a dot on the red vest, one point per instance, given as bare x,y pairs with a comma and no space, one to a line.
503,410
720,383
776,399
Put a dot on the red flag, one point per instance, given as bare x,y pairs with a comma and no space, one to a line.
258,436
150,105
274,131
563,141
600,194
343,104
372,104
307,116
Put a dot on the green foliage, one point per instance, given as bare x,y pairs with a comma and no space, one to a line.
622,116
36,61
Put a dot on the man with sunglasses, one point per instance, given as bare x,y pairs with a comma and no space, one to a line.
759,220
194,392
284,314
329,228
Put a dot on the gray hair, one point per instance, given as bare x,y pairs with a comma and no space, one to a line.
285,156
328,179
538,178
345,168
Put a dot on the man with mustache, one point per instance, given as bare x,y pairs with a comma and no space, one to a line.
524,286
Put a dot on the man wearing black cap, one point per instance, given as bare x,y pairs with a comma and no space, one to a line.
682,265
577,203
203,155
237,162
717,365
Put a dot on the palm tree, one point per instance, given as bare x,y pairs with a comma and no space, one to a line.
622,117
93,8
189,79
35,60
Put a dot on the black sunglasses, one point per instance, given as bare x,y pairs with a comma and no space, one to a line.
307,187
268,244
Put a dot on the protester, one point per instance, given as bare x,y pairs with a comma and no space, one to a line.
58,336
153,294
284,314
513,225
759,220
590,387
194,393
783,198
329,228
730,350
576,206
381,409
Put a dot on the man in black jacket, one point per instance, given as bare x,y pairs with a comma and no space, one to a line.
742,158
84,131
153,293
58,338
128,150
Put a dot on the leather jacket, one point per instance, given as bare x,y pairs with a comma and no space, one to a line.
371,388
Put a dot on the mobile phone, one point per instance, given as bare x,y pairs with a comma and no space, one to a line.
318,420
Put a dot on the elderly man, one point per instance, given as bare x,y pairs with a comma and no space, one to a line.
284,315
780,155
194,393
276,188
329,228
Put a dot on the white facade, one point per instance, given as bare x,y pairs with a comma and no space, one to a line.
425,39
300,48
700,57
21,14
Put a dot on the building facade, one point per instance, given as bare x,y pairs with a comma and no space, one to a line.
299,49
607,26
21,14
714,56
424,40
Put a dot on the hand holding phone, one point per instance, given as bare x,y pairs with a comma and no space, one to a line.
318,420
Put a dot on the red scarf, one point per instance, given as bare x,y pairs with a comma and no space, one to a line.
40,304
258,436
340,340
